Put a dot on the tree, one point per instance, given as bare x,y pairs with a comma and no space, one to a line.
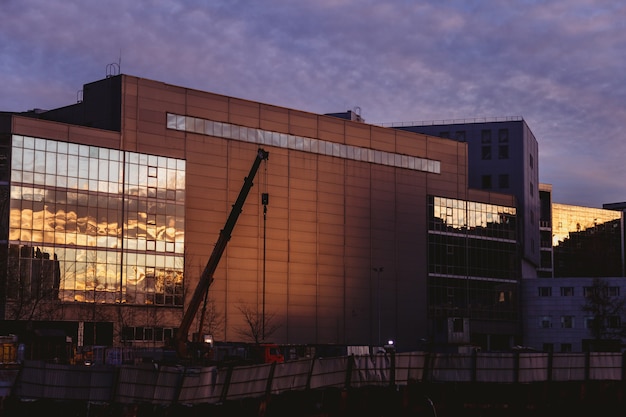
606,310
258,327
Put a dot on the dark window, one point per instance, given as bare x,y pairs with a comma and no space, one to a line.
486,152
545,291
613,322
457,325
486,181
531,161
566,347
444,134
486,136
567,291
503,135
503,152
503,181
460,135
567,322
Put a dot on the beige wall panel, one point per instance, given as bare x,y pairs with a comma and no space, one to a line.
274,114
39,128
411,143
302,184
301,271
358,130
157,145
439,148
331,169
331,235
332,208
94,137
331,129
445,189
244,113
384,139
207,106
333,219
277,224
155,105
302,215
303,195
301,256
302,230
243,258
331,255
151,122
210,103
250,230
154,90
302,167
303,124
331,137
274,119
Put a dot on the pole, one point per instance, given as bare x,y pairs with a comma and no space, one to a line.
264,198
378,271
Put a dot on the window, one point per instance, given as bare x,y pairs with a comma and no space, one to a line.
503,152
587,291
486,182
567,322
567,291
545,322
460,135
457,325
613,291
613,322
503,135
503,181
548,347
485,136
589,320
566,347
545,291
486,152
444,134
532,160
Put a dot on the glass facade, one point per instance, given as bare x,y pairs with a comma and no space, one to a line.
473,264
587,242
91,224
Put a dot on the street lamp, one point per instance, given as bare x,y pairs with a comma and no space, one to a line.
378,270
265,199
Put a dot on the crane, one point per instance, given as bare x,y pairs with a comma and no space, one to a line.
180,338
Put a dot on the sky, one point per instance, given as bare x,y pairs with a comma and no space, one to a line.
560,64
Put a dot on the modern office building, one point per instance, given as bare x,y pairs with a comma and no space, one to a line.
555,319
579,244
351,234
503,156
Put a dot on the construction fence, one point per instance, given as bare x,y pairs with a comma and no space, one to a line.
152,383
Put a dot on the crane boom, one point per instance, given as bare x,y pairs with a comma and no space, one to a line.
180,339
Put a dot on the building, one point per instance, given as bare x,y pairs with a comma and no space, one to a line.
579,244
352,233
503,156
554,318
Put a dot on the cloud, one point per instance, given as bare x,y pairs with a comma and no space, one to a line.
558,64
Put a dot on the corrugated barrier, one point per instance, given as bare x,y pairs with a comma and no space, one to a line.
167,385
